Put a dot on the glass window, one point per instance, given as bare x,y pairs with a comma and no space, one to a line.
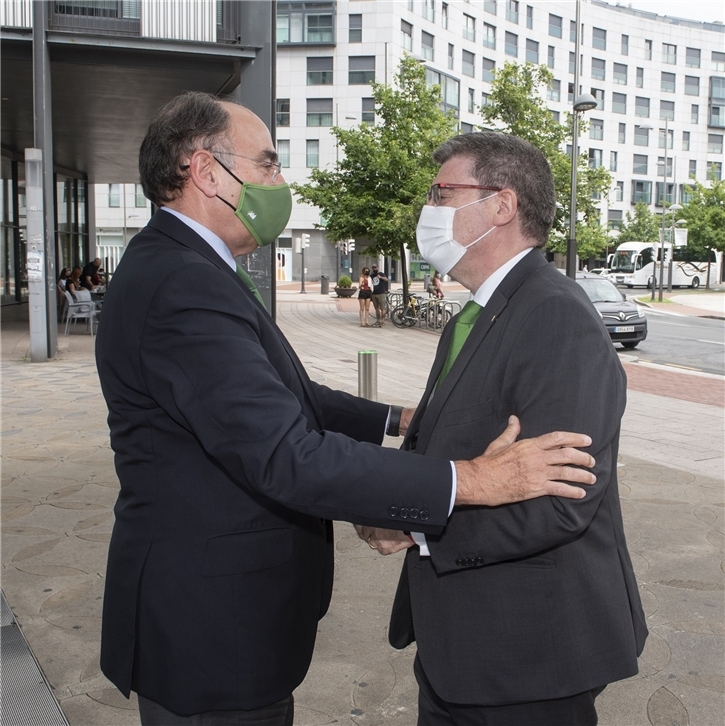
572,31
714,143
619,102
642,192
670,139
641,136
572,62
466,128
667,110
717,116
529,17
570,93
599,38
451,51
471,100
596,129
489,36
625,45
469,27
553,92
667,82
550,56
692,169
312,155
686,141
532,51
614,218
361,69
598,69
622,134
368,111
485,98
489,6
444,15
692,86
512,44
319,112
664,192
512,11
595,158
355,29
694,113
450,89
619,191
556,116
640,163
641,106
114,195
140,197
318,28
468,63
555,25
661,166
319,71
714,170
406,35
283,112
489,67
283,152
620,73
640,77
598,94
427,42
692,57
429,12
612,161
669,53
648,50
718,60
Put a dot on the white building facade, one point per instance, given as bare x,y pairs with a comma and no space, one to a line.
649,74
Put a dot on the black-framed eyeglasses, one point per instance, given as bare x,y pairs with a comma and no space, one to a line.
434,193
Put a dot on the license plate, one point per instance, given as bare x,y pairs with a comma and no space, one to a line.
624,329
620,279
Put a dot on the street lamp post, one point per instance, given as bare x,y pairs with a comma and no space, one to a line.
674,208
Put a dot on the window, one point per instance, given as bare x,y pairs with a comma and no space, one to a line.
368,111
641,192
529,17
466,128
450,89
640,163
714,170
313,25
444,15
114,195
669,53
692,57
694,113
512,44
620,73
489,36
319,112
619,191
648,50
598,69
595,158
717,116
692,86
553,92
619,102
718,60
612,161
469,63
670,139
614,217
451,51
139,196
283,152
427,42
667,82
406,35
570,93
641,106
622,134
312,156
667,110
598,94
625,45
429,11
283,112
555,26
319,71
572,62
471,100
361,69
640,77
572,31
692,170
485,98
599,38
556,116
469,27
489,67
716,110
532,51
512,11
686,141
489,6
714,143
355,29
664,192
596,129
661,166
641,136
550,56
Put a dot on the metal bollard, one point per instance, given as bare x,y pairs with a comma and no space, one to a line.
367,374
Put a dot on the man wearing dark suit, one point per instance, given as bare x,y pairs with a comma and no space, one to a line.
522,613
231,461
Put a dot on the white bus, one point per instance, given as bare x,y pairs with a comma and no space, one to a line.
633,265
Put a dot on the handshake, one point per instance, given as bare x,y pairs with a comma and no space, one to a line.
508,471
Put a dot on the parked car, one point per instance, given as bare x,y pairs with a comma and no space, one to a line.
599,271
625,320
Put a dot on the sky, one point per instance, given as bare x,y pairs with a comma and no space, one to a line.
707,10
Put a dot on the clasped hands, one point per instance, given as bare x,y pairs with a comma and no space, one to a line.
508,471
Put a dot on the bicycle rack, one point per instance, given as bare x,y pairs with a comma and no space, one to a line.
439,312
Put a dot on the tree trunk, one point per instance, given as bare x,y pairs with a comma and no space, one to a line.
404,275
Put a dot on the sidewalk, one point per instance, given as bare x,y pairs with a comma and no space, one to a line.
697,303
59,488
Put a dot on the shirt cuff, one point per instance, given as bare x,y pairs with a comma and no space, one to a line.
418,537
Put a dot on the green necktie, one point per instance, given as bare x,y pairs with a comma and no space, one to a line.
464,324
247,280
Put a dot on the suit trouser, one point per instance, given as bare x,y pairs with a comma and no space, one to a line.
575,710
277,714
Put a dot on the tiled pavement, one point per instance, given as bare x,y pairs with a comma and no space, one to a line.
59,487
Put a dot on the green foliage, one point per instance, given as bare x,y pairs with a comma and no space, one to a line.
705,215
344,281
641,226
515,105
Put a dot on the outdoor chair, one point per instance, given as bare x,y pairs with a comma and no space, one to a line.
80,310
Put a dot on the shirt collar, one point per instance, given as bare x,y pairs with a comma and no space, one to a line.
213,240
484,293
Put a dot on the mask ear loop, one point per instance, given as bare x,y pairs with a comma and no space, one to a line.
470,244
234,176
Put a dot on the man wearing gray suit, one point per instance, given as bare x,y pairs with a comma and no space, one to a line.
522,613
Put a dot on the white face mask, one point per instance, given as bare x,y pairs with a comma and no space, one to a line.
434,235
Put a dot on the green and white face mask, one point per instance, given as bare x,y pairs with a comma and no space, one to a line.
263,209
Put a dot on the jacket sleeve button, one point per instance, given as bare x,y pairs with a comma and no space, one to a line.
459,562
479,560
414,513
424,515
404,513
393,511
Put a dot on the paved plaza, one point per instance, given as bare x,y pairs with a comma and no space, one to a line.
59,488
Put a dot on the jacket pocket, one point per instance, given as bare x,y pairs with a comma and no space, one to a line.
235,553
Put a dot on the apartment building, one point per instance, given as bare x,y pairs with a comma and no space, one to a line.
658,81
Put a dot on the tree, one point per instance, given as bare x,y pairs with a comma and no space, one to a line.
642,226
375,193
515,105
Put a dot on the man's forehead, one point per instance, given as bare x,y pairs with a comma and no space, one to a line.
249,130
456,169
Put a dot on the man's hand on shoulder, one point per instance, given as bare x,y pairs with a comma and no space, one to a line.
514,471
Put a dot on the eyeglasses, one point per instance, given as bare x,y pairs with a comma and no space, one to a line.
273,168
434,193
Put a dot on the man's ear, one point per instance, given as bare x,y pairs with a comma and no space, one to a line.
507,205
204,173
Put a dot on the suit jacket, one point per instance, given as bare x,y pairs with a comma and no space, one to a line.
231,463
536,600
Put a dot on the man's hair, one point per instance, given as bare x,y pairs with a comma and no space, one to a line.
505,161
189,122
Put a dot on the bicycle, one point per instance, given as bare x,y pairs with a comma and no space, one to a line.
420,309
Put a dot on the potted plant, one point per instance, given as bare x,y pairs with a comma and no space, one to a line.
344,287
